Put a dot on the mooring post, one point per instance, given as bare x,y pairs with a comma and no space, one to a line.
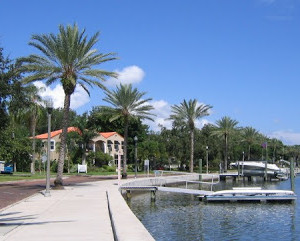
200,173
153,195
292,175
128,194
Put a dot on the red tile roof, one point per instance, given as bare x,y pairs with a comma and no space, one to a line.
55,133
107,134
70,129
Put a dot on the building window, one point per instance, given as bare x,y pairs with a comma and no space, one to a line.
52,145
116,144
116,159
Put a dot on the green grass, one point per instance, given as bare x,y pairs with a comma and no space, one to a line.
20,176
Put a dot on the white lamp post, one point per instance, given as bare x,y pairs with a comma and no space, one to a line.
49,106
207,159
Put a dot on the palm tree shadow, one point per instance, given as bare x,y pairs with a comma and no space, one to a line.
10,223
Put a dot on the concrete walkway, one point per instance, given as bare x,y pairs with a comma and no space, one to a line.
76,213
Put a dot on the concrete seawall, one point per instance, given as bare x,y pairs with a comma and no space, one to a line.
87,211
126,225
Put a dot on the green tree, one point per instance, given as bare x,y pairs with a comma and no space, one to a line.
249,136
32,113
127,103
188,113
85,134
225,127
67,57
5,83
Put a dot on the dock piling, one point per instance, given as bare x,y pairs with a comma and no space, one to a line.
292,175
200,173
128,194
153,195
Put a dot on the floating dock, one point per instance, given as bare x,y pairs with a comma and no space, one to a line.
250,194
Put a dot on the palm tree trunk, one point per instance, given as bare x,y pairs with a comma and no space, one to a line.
60,169
126,124
192,151
33,126
249,150
226,153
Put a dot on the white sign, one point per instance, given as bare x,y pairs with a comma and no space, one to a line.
44,158
146,163
82,168
2,166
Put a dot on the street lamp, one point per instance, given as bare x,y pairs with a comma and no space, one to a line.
135,155
207,159
49,106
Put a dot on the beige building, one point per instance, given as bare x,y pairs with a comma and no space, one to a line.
108,142
111,143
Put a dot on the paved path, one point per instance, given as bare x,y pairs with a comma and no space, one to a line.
14,191
78,212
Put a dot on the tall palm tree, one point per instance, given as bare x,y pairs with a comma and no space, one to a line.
188,113
250,136
67,57
33,112
127,103
225,127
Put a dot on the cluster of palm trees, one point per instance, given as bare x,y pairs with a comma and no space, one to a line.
70,57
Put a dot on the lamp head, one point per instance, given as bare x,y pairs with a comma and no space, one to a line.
49,106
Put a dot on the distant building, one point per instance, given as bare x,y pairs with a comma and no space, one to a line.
108,142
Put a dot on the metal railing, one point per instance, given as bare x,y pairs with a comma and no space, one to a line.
163,178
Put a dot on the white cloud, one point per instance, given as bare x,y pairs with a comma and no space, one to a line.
128,75
162,110
78,98
202,122
288,137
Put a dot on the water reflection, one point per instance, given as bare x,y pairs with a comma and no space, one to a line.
184,217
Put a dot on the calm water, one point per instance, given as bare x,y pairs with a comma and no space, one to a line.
184,217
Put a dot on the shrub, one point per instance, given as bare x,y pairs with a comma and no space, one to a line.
100,158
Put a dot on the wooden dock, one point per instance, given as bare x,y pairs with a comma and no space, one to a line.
233,175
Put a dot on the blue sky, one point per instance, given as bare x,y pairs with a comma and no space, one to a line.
241,57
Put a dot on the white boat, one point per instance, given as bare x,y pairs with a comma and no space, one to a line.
257,168
251,194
